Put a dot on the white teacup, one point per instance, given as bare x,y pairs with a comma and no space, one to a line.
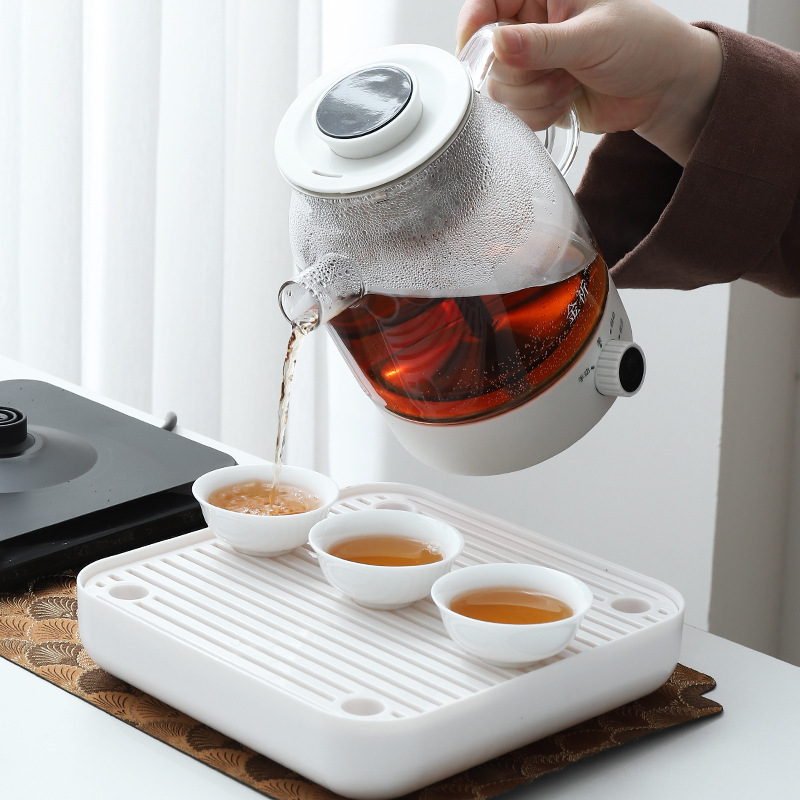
257,534
510,644
384,587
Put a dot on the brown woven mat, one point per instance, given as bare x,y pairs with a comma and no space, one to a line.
39,631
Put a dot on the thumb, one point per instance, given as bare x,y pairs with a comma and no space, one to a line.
532,46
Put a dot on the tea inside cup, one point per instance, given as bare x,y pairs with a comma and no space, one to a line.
511,615
240,508
384,558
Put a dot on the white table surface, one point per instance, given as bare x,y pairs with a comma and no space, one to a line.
53,744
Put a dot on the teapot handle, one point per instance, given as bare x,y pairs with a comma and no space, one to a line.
477,56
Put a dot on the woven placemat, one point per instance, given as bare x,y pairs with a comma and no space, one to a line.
39,631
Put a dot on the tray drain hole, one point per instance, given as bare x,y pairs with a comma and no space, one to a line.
395,505
362,706
128,591
630,605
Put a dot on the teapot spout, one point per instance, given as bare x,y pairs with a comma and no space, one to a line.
321,292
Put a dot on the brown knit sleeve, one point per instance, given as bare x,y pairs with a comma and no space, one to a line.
733,211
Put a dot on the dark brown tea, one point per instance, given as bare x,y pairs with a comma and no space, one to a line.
264,498
386,551
457,359
509,605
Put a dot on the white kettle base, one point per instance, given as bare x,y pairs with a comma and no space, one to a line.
546,425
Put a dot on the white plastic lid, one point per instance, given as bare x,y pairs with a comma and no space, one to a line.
318,163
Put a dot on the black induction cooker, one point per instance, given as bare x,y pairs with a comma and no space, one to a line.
80,481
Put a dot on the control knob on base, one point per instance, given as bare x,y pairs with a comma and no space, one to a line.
620,369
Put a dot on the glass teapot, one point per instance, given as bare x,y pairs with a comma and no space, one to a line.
438,242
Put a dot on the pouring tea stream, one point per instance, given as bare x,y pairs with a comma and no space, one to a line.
455,273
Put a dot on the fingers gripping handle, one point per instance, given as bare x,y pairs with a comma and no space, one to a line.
478,56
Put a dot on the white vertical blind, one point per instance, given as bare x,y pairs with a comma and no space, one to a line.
10,212
143,222
189,201
48,150
122,45
261,84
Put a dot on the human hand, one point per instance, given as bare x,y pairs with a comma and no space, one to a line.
625,64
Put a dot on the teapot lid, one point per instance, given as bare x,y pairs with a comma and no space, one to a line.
374,119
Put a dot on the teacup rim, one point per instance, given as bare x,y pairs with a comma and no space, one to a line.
577,612
233,469
323,525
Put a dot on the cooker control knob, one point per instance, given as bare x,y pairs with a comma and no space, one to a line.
620,369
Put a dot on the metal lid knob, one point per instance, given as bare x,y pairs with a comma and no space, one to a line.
369,111
364,101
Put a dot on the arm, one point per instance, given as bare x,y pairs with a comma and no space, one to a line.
733,211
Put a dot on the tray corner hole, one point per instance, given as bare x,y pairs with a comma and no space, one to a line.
128,591
362,706
630,605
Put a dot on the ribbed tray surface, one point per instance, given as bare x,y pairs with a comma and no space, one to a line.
279,620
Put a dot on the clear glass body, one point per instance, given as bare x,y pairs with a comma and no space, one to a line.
445,360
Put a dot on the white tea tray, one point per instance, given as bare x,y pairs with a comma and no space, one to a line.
370,704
